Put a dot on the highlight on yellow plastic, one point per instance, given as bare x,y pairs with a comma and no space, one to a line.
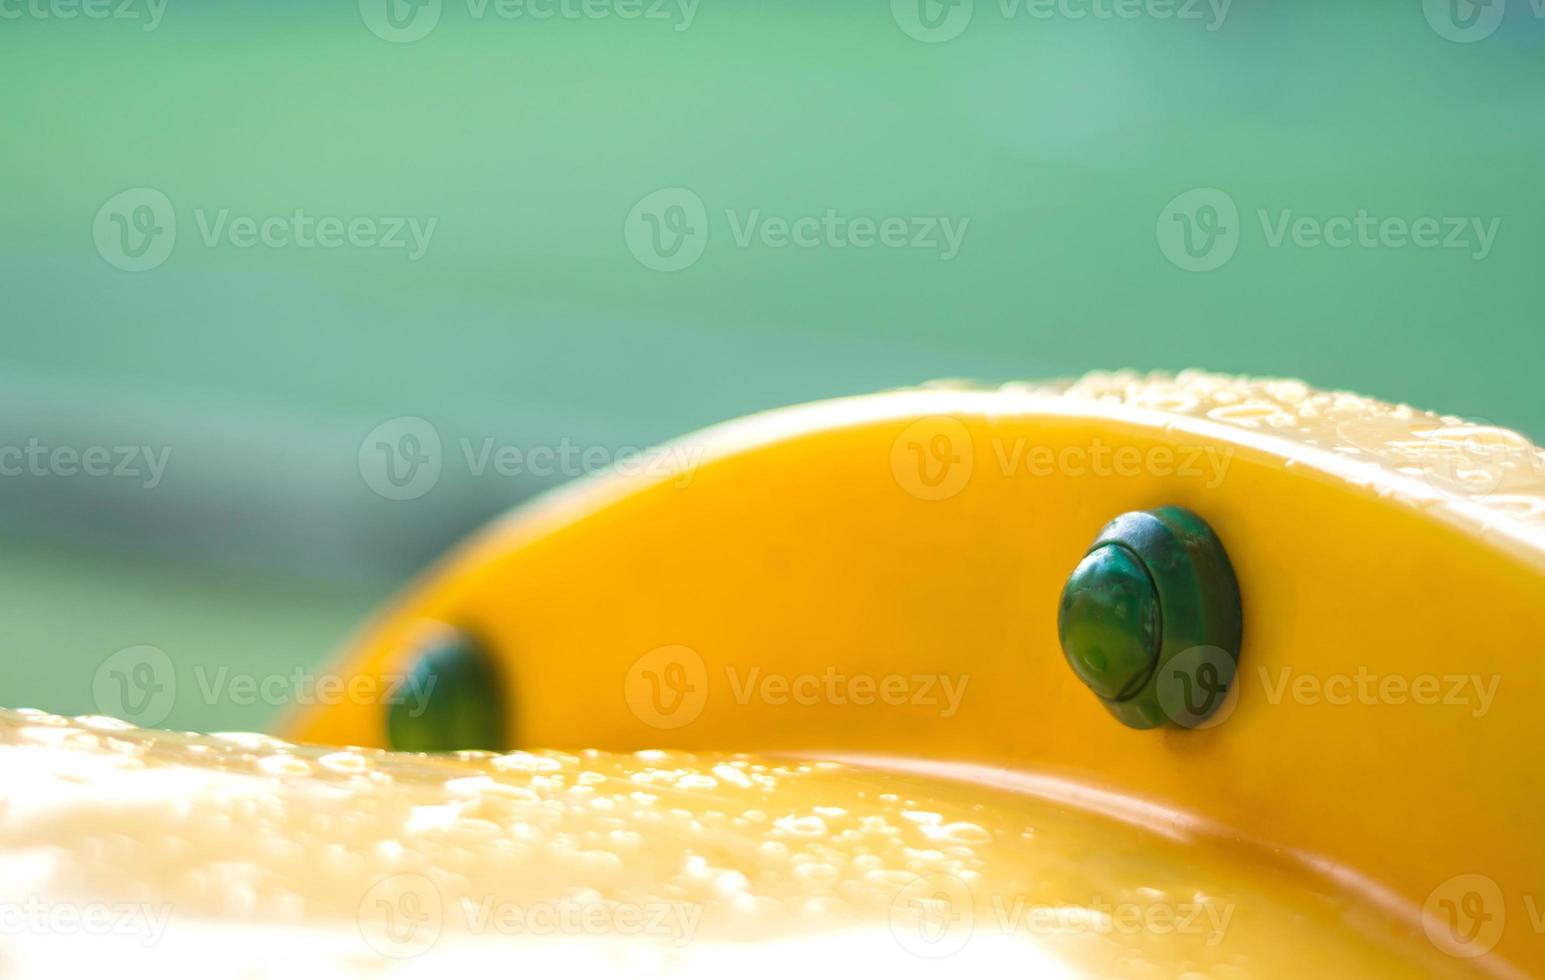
242,855
864,594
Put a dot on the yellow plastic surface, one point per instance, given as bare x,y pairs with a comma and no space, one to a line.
880,575
241,855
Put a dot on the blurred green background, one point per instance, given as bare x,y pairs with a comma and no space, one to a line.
1062,138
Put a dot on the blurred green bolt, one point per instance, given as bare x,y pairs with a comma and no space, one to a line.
450,700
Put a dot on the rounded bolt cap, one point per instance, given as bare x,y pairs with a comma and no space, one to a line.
1150,620
1109,622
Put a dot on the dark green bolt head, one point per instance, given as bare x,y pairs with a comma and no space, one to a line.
1150,619
1109,622
451,699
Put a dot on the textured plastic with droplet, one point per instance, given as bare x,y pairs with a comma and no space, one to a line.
273,859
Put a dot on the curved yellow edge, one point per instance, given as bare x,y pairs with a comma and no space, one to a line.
880,575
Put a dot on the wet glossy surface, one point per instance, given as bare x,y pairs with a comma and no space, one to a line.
243,852
1451,461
